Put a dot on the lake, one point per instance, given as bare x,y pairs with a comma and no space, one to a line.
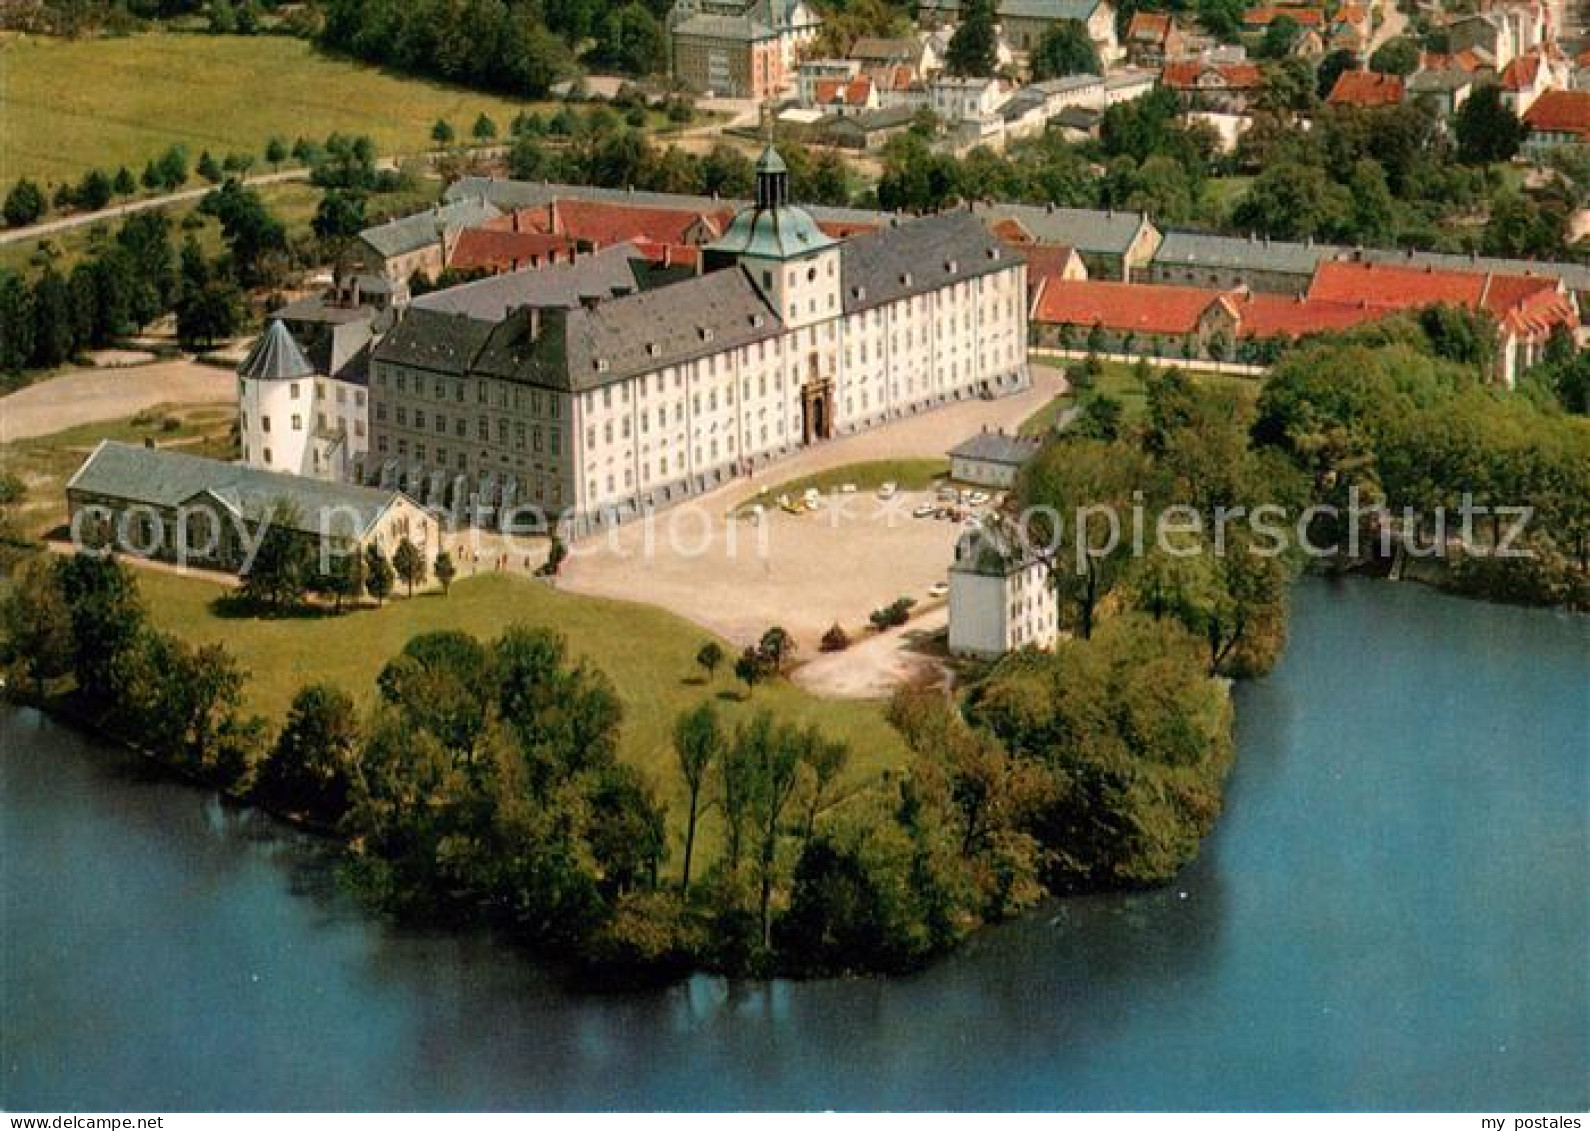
1393,914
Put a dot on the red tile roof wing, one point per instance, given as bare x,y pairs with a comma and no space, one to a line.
1184,75
1123,307
1151,27
498,250
1265,16
1366,89
1286,316
1044,261
604,224
1560,111
1521,73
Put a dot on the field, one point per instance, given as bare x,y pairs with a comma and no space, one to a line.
45,464
647,652
292,202
67,106
1120,382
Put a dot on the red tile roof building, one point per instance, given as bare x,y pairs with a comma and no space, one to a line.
1366,90
1559,117
487,249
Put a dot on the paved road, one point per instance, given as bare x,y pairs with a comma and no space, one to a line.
116,211
1392,24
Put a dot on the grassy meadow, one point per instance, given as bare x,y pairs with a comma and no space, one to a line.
67,106
647,652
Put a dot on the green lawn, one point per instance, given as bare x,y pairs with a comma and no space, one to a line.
907,474
45,463
648,653
1120,381
293,202
67,106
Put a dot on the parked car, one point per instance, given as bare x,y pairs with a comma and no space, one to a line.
939,589
923,511
888,490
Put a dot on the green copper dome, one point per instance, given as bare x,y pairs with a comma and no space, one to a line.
772,228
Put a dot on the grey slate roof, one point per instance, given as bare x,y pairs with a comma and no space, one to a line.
275,356
601,275
435,340
708,25
877,49
1239,253
1201,249
584,348
997,447
1053,10
914,258
1089,230
410,233
133,474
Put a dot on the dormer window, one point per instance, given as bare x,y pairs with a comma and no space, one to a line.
905,279
706,333
860,293
756,321
950,266
993,253
653,349
601,365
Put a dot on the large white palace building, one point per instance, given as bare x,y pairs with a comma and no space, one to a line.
577,389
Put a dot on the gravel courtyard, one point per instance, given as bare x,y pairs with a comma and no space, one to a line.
807,572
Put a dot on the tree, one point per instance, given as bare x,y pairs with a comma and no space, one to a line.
709,657
1065,49
484,128
379,576
339,216
24,204
209,315
209,168
1331,67
445,571
973,49
698,743
36,623
1278,38
750,669
442,133
632,40
1077,495
280,572
409,564
16,323
777,646
345,581
124,184
1292,201
53,339
108,619
1487,130
309,769
252,233
276,152
1399,56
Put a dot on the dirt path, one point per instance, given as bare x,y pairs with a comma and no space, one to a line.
873,668
88,396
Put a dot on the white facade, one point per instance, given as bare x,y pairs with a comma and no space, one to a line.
691,426
998,605
309,425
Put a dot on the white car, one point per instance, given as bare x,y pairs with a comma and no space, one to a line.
887,490
939,589
979,498
924,511
848,489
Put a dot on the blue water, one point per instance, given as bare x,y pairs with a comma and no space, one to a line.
1394,914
